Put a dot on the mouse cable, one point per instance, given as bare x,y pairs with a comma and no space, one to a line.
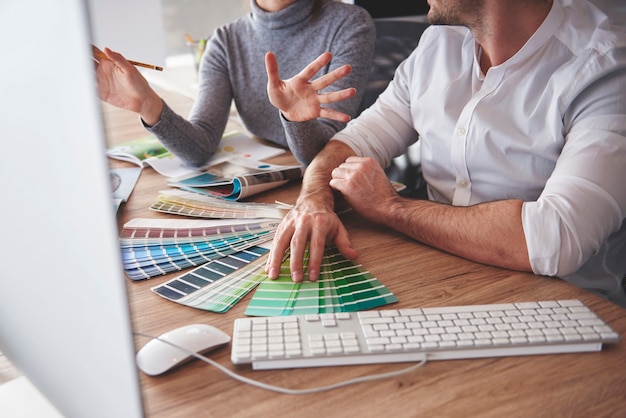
289,391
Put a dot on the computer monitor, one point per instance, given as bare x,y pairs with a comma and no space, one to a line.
64,315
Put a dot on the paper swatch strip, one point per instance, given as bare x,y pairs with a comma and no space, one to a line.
153,247
216,286
343,286
182,202
219,284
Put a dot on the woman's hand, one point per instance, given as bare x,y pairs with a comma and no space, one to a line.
298,98
121,84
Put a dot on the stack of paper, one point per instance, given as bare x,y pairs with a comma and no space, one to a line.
216,286
153,247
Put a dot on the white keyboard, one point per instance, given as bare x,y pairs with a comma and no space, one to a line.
404,335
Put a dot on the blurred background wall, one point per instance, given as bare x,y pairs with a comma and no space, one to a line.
200,17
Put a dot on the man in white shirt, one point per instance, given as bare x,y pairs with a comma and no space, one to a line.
520,108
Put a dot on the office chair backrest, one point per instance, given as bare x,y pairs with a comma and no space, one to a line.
394,8
395,40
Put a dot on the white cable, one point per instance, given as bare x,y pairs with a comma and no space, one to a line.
287,390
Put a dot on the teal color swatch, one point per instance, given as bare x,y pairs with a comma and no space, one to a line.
343,286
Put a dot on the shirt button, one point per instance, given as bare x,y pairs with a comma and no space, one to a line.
463,183
460,131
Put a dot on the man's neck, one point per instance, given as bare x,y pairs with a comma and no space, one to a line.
506,27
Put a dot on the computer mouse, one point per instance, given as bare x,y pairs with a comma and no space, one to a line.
157,357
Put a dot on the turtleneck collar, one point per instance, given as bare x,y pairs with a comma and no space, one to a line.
293,14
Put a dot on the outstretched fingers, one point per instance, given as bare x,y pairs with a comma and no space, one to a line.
335,96
333,114
280,245
328,79
310,70
299,242
332,97
271,67
344,245
317,246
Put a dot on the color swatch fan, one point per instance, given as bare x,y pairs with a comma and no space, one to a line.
154,247
181,202
343,286
216,286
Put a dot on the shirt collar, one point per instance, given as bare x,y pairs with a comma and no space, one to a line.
546,30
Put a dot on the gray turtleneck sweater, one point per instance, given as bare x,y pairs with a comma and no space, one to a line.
233,68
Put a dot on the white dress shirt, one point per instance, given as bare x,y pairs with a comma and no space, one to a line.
548,127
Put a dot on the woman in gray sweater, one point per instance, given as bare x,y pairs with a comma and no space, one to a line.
316,42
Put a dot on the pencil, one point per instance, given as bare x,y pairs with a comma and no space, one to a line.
189,39
97,54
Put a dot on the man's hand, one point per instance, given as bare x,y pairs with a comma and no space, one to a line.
365,187
313,220
303,225
298,99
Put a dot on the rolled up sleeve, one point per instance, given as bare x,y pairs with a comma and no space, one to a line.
584,200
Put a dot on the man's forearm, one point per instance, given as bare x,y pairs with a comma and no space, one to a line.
489,233
319,172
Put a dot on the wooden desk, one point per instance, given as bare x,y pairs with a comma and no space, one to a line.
587,384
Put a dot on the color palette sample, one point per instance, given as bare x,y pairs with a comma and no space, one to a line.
153,247
343,286
218,285
182,202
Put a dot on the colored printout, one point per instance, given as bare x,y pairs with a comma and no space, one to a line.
148,151
237,179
